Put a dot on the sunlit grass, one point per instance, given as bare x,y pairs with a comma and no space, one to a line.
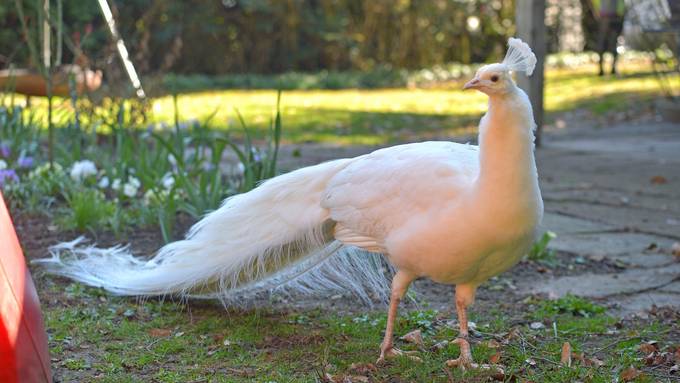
382,116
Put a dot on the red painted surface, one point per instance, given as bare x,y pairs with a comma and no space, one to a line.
23,342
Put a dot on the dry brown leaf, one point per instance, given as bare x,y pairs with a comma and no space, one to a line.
658,180
593,362
497,372
629,374
495,358
356,379
675,249
649,347
513,334
415,337
565,359
492,343
159,332
363,368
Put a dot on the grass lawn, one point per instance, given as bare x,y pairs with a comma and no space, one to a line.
383,116
96,337
391,115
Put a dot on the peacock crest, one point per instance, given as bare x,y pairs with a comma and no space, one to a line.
519,57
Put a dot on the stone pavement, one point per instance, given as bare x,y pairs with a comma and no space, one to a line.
613,194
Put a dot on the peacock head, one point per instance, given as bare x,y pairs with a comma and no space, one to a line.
495,78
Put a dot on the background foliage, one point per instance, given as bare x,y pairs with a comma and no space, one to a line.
274,36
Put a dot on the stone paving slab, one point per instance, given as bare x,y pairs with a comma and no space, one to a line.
672,288
608,244
639,303
613,194
562,224
605,285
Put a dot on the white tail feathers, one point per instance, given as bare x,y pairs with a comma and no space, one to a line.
275,238
519,57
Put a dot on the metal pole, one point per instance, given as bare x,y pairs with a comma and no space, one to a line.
122,51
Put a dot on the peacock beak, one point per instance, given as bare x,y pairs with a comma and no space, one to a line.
472,84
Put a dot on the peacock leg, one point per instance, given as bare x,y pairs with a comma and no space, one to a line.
400,284
464,297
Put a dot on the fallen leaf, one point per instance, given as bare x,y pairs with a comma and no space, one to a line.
177,335
159,332
513,334
495,358
355,379
497,371
594,362
415,337
658,180
649,347
675,249
492,343
629,374
530,362
363,368
588,362
565,359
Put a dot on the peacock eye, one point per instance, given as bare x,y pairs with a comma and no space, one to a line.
494,78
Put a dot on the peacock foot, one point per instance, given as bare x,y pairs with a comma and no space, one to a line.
464,361
392,352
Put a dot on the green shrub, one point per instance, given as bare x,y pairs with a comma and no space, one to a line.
87,209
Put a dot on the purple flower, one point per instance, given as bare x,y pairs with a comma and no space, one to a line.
25,162
5,150
7,175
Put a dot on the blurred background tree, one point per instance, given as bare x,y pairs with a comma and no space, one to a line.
275,36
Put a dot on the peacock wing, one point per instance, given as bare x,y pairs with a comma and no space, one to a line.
382,190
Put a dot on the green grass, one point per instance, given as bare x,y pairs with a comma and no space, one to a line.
391,115
94,337
381,116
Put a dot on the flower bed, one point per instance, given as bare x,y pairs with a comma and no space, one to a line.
117,175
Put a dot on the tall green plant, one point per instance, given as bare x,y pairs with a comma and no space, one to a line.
259,165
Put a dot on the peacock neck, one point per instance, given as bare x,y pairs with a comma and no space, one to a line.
506,142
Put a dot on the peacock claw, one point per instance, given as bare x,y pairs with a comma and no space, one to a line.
392,352
464,361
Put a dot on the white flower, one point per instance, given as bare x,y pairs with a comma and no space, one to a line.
83,169
103,183
45,168
116,184
168,181
240,168
129,190
149,196
3,164
134,181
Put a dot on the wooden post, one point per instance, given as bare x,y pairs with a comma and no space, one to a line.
530,21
